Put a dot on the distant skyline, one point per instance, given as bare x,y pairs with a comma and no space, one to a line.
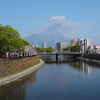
72,18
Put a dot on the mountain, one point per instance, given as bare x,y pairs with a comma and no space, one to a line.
50,39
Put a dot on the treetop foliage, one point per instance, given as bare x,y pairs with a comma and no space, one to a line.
49,49
9,31
10,39
75,48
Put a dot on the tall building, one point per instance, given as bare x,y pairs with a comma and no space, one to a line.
44,45
73,42
84,43
78,42
87,43
61,45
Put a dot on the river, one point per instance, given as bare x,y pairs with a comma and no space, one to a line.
69,79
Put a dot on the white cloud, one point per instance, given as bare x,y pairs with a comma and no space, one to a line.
60,25
71,29
54,18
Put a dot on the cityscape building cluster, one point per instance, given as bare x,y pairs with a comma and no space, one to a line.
85,45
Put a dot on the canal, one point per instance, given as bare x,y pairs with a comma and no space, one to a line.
69,79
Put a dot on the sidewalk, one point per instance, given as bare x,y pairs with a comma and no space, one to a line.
18,76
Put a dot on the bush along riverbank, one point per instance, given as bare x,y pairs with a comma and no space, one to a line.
13,66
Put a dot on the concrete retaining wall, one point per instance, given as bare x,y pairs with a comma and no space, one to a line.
91,57
18,76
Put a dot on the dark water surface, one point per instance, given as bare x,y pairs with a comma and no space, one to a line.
69,79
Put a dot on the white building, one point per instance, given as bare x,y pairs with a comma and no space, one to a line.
61,45
44,45
84,43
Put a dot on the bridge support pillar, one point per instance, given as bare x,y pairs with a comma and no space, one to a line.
56,57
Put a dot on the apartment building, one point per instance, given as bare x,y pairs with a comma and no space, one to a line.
73,42
61,45
44,45
84,44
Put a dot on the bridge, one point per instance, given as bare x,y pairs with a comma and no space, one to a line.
70,54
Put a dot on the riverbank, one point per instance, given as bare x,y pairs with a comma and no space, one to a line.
5,80
11,66
86,59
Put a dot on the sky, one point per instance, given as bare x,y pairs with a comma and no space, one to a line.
72,18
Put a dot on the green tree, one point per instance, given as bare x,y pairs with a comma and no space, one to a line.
49,49
10,39
67,48
38,49
25,42
75,48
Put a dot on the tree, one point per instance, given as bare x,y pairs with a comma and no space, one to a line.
75,48
38,49
10,39
67,48
49,49
26,42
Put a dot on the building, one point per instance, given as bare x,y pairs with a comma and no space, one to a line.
61,45
44,45
35,45
94,49
84,44
73,42
79,41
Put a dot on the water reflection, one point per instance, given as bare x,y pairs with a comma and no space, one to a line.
69,79
17,91
80,65
52,59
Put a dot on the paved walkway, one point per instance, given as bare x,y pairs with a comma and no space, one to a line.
18,76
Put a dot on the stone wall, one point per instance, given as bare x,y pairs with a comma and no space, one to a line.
9,79
17,65
92,56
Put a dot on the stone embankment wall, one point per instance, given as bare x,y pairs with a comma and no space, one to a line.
17,69
11,66
92,56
